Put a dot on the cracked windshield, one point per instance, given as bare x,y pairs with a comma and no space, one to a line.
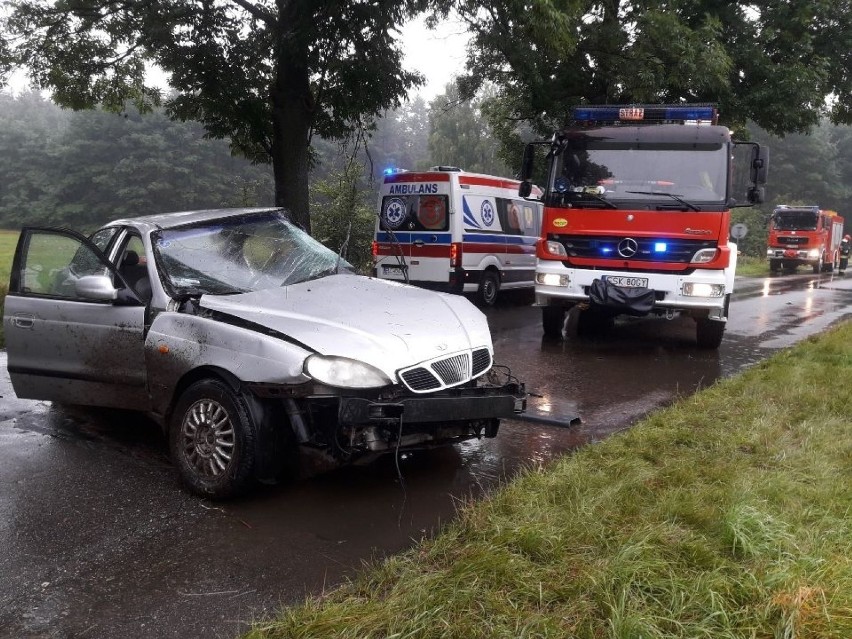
241,255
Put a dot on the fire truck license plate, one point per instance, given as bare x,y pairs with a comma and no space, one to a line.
627,282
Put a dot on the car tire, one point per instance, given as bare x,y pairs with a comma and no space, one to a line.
212,440
489,286
552,321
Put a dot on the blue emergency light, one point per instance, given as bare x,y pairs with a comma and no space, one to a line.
640,113
660,247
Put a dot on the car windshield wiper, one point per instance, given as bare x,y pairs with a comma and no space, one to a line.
671,195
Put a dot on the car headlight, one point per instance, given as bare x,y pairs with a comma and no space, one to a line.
343,372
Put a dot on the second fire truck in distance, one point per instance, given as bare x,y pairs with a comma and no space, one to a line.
804,235
637,215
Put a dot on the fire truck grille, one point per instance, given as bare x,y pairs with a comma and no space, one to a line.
792,241
447,371
643,249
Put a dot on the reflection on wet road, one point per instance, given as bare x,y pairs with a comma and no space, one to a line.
99,541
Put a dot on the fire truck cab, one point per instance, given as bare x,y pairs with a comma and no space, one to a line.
804,235
637,215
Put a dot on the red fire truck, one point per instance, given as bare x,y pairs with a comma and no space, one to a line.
804,235
637,215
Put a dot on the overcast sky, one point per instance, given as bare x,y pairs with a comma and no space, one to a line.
438,55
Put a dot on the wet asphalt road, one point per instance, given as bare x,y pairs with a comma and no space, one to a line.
98,540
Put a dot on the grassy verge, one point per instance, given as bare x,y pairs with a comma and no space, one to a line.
8,241
727,515
748,266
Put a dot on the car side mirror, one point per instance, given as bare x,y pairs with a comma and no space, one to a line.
97,288
524,189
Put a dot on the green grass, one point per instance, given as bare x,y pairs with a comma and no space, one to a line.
727,515
749,266
8,241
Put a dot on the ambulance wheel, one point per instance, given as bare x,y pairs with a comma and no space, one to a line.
552,320
489,286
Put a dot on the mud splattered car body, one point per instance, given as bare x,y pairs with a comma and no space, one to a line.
248,341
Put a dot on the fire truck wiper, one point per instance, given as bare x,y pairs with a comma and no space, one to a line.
594,196
671,195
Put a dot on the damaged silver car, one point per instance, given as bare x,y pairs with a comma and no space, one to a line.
248,341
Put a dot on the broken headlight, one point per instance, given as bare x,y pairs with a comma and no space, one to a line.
342,372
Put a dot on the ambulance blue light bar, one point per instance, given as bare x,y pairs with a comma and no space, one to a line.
639,113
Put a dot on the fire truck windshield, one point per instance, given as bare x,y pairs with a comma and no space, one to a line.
623,172
795,220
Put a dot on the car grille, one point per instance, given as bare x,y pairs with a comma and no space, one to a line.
677,250
446,372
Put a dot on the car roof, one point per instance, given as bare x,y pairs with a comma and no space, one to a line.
181,218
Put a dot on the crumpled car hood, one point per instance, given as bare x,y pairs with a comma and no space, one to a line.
385,324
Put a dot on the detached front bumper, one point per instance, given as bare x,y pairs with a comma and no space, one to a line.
482,402
424,420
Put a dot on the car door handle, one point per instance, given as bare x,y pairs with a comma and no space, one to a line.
23,321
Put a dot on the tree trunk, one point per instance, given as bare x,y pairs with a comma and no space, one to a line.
292,116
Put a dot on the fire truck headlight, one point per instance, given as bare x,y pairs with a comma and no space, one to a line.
555,249
704,255
770,253
551,279
696,289
814,253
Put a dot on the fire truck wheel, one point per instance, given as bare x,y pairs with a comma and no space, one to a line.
489,286
774,266
709,333
552,320
818,267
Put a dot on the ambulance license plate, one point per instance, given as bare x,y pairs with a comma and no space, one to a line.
627,282
392,270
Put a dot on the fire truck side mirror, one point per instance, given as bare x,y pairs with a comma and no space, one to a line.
756,195
527,163
759,164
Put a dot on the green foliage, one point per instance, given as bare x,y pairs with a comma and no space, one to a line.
725,515
85,168
400,140
267,76
344,215
774,64
460,136
8,241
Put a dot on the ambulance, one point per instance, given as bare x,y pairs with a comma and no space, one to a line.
449,230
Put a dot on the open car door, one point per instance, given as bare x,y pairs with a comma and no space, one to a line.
74,330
